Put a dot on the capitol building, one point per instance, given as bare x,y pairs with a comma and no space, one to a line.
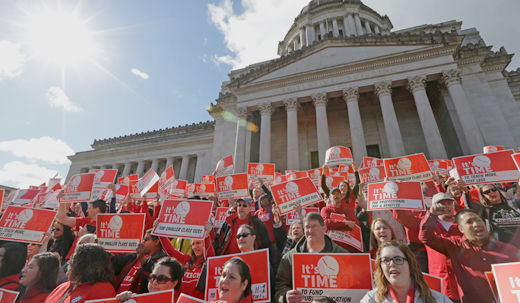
343,77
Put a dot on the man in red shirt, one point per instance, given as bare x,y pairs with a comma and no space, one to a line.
471,255
336,206
94,208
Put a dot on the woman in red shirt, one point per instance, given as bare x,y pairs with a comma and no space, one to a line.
90,277
38,278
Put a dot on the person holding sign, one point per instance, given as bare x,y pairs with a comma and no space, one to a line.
234,284
38,278
315,241
399,279
470,255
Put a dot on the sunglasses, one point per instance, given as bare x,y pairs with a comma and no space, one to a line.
397,260
243,235
160,279
486,192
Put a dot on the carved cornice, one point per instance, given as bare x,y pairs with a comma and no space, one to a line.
383,88
291,104
451,77
242,112
351,94
416,83
265,109
320,99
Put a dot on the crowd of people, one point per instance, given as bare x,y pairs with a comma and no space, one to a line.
457,239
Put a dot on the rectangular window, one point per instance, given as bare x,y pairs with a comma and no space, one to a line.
373,151
315,159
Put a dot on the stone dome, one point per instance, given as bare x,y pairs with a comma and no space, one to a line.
335,19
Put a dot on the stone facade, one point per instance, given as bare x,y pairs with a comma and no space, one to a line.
343,78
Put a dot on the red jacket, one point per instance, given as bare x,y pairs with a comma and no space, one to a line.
438,264
334,224
470,262
10,282
34,295
82,293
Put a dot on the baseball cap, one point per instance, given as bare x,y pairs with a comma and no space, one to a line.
442,196
247,200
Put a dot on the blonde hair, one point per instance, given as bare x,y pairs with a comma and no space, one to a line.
381,283
373,240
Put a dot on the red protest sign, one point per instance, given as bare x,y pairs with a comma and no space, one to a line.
224,166
146,182
1,198
184,298
127,179
295,174
220,216
434,282
176,188
151,297
24,196
208,179
23,224
507,278
492,284
102,178
167,176
516,159
342,277
120,232
395,195
279,178
337,155
293,216
121,192
487,168
372,174
204,190
315,176
183,219
352,238
408,168
78,189
258,262
232,186
440,166
492,149
264,171
290,194
8,296
333,181
369,162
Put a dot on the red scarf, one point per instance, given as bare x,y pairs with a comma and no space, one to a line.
410,297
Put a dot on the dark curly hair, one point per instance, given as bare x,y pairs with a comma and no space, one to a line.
63,244
90,264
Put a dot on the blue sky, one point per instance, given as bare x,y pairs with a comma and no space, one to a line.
180,52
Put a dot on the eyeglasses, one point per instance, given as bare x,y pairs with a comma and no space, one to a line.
243,235
160,279
242,205
397,260
486,192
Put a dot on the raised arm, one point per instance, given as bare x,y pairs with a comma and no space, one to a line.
61,216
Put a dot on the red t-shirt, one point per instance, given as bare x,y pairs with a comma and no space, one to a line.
233,245
10,282
129,278
82,293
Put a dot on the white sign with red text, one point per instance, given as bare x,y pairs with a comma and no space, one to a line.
372,174
395,195
352,238
408,168
102,178
220,216
294,217
224,166
264,171
146,182
507,279
232,186
338,155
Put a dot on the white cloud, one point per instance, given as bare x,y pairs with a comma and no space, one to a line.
44,149
57,98
140,74
11,60
253,35
22,175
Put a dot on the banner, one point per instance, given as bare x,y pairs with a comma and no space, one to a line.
167,176
23,224
232,186
487,168
121,192
166,296
434,282
208,179
264,171
293,216
225,166
337,155
146,182
342,277
507,278
126,180
8,296
290,194
279,178
204,190
295,174
78,189
258,262
315,176
183,219
120,232
352,238
184,298
372,174
395,195
220,216
492,149
408,168
102,178
24,196
369,162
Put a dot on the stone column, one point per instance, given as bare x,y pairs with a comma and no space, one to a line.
198,167
218,141
265,132
432,136
352,25
357,136
393,132
376,29
302,37
346,28
322,125
184,167
293,159
240,140
140,168
335,30
359,27
310,34
126,170
367,27
467,120
322,30
155,164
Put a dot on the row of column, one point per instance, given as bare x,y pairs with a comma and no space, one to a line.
383,90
